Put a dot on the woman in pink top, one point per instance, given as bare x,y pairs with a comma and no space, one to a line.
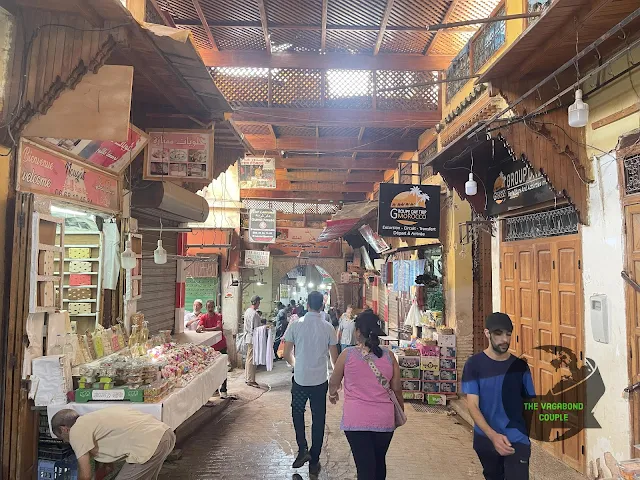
368,416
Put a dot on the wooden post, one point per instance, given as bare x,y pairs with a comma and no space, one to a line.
137,9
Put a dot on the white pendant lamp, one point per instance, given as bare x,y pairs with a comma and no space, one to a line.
160,254
578,112
128,257
471,186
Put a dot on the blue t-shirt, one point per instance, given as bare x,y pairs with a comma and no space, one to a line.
502,387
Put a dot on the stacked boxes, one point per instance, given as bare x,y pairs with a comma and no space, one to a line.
410,377
439,374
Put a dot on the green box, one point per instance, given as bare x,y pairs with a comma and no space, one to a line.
84,395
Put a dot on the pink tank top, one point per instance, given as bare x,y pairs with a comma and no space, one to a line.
367,406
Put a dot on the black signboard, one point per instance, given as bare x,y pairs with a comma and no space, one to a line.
409,211
262,226
515,184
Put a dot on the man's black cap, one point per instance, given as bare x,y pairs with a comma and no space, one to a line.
498,321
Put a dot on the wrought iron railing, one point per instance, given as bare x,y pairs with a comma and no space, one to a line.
487,42
291,207
331,88
560,221
425,155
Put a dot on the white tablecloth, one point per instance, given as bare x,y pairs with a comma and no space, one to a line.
175,408
202,338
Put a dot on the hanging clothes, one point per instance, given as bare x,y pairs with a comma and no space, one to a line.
263,347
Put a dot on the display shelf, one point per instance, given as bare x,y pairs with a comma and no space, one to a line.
78,273
47,233
80,286
48,278
82,246
50,248
84,314
80,259
87,300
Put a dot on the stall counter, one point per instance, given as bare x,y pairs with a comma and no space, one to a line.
204,338
175,408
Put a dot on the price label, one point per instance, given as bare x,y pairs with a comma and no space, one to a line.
106,395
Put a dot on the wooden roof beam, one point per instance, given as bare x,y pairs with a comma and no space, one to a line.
323,187
329,177
331,144
307,196
465,27
205,24
383,26
264,21
257,59
323,31
335,163
329,117
445,19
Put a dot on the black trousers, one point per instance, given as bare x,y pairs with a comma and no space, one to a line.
223,388
497,467
317,397
369,451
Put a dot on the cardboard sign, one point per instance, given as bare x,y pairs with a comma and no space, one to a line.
46,172
185,155
262,226
409,211
256,258
257,172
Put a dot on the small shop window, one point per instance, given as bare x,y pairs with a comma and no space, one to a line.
489,40
550,223
632,174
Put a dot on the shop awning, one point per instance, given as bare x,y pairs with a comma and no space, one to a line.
350,217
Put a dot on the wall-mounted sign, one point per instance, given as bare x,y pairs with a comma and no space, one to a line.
262,226
185,155
293,242
515,184
114,156
257,172
284,293
376,241
48,172
256,258
409,211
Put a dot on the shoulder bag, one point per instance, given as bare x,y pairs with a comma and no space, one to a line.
400,418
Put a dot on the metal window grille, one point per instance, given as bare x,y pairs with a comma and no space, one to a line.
291,207
632,174
426,171
561,221
460,67
491,37
415,98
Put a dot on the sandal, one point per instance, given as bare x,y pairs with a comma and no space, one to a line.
253,384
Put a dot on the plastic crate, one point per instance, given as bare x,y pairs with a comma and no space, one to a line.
54,452
66,469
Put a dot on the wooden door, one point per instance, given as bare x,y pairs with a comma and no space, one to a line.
632,267
542,293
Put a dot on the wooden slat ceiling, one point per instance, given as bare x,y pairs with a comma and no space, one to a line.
331,142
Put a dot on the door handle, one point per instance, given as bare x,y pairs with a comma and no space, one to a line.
630,281
631,388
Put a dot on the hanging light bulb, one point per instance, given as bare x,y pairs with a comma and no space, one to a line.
160,254
128,257
471,186
578,111
310,285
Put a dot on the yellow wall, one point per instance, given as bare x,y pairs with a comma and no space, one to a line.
514,29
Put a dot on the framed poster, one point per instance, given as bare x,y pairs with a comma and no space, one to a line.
409,211
185,155
262,226
113,156
257,172
256,258
45,171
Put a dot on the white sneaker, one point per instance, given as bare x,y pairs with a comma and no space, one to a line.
223,395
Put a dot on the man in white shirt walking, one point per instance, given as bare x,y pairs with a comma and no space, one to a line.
251,322
313,338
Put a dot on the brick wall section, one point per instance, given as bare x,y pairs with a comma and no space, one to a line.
334,266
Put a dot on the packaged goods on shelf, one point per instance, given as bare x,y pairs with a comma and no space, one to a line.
431,387
448,387
435,399
447,363
408,361
430,376
413,396
445,340
410,373
431,364
449,375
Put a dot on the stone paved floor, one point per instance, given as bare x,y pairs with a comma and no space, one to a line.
254,439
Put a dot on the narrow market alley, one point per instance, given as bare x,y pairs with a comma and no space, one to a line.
254,439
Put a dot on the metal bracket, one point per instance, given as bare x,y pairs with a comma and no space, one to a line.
625,276
631,388
467,229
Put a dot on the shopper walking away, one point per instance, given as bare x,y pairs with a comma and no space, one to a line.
497,384
347,329
312,338
282,322
191,318
251,322
212,322
368,419
114,433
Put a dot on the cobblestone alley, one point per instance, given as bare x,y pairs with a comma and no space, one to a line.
254,439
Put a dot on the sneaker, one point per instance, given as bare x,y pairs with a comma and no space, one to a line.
314,468
223,395
302,458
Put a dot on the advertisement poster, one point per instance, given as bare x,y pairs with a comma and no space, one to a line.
257,172
256,258
262,226
179,154
114,156
284,293
409,211
293,242
376,241
515,184
47,172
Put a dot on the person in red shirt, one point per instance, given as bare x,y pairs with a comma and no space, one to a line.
212,322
